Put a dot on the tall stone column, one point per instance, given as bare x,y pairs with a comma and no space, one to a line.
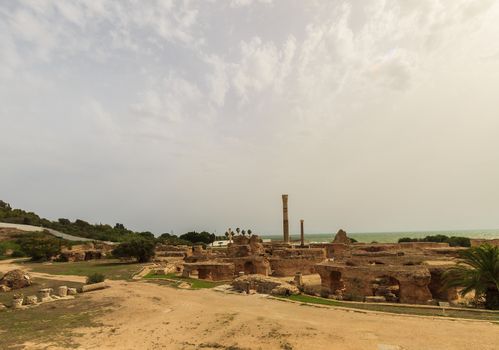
302,233
285,222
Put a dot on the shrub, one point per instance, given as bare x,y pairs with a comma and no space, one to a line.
201,237
39,246
453,241
95,278
17,254
140,248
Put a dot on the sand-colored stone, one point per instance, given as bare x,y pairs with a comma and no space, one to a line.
94,286
16,279
264,284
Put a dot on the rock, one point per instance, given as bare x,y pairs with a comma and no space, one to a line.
4,288
375,299
72,291
16,279
62,291
93,286
2,307
31,300
17,303
264,284
184,285
341,237
44,295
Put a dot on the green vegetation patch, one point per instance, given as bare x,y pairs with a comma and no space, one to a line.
48,323
395,309
112,269
176,280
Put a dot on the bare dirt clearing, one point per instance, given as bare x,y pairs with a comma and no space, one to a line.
149,316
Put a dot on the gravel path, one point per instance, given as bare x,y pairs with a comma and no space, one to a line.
31,228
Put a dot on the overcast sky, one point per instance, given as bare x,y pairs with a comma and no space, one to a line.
169,115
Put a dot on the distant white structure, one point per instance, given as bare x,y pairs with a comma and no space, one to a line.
222,243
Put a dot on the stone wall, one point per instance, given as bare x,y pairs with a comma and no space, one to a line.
213,271
287,262
407,284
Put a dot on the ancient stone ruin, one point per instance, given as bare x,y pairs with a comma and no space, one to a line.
15,279
394,273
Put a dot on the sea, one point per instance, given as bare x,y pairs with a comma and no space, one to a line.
389,237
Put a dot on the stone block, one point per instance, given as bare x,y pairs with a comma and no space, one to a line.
375,299
44,295
94,286
72,291
17,303
62,291
4,288
31,300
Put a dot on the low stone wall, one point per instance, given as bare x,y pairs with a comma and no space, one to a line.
264,285
213,271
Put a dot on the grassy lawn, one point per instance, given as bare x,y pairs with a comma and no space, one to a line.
112,269
175,280
48,323
477,315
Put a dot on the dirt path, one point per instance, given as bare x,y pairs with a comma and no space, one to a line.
149,316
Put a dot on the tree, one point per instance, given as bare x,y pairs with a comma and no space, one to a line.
5,205
478,271
201,237
63,221
140,248
39,246
238,230
249,233
243,232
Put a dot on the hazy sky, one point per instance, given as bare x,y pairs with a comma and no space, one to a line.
169,115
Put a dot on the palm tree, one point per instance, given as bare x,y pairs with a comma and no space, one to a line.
243,232
249,232
238,230
478,271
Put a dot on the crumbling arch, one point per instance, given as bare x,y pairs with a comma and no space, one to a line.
336,284
249,268
204,274
387,286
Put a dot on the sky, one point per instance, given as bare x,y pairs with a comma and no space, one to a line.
372,115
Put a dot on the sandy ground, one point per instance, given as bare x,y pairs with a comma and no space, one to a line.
149,316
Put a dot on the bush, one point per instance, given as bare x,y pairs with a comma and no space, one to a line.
17,254
201,237
140,248
95,278
39,246
453,241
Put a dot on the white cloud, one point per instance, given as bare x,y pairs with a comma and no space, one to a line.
244,3
228,102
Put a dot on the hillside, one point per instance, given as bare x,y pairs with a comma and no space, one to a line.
79,228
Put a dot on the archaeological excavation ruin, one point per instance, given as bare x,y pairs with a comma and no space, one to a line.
393,273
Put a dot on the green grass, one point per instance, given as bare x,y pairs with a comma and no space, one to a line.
176,280
472,314
112,269
48,323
